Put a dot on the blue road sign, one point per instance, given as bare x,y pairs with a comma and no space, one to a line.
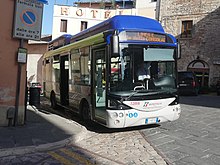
28,18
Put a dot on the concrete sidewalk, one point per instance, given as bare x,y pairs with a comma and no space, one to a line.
42,131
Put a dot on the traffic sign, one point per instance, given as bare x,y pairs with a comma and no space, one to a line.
28,19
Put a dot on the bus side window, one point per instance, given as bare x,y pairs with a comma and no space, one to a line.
85,66
84,71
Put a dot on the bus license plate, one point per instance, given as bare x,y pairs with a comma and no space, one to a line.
151,120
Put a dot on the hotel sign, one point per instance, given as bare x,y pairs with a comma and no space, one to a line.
28,19
92,13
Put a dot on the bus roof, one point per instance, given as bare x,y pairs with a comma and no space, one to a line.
59,41
121,22
64,36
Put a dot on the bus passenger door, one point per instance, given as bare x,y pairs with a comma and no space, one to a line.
64,78
98,85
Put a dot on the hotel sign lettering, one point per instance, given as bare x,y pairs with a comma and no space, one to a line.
92,13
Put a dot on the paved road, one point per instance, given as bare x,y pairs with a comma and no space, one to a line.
194,139
106,147
69,155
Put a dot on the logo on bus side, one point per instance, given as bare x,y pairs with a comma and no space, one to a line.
146,104
131,115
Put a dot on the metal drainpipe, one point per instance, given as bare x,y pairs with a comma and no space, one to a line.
158,10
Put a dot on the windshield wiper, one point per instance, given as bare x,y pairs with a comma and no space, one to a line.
132,94
148,92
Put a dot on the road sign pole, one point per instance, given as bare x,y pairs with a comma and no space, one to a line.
18,86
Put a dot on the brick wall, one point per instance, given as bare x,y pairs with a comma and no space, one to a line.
205,42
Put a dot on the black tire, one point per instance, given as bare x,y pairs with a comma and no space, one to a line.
85,113
53,101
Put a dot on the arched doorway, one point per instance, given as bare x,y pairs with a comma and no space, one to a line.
201,69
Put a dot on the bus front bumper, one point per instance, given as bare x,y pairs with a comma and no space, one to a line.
133,117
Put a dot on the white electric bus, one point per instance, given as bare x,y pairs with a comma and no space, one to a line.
94,73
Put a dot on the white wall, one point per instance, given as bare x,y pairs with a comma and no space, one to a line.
146,8
32,67
145,4
74,16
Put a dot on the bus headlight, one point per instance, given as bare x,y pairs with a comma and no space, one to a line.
120,114
176,101
117,122
114,115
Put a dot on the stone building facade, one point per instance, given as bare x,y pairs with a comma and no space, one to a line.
196,24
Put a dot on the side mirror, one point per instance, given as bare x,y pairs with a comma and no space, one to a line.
115,43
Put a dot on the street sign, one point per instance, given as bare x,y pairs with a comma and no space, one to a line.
22,55
28,19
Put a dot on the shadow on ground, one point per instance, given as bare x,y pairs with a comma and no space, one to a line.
212,101
93,126
38,129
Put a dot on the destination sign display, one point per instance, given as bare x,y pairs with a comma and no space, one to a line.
142,36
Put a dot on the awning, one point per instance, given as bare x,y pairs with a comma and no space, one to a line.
43,1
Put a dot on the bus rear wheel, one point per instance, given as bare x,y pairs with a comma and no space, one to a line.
53,100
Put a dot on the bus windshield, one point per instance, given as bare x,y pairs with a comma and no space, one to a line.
141,67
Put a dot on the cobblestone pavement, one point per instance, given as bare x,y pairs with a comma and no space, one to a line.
98,145
125,147
96,148
195,137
